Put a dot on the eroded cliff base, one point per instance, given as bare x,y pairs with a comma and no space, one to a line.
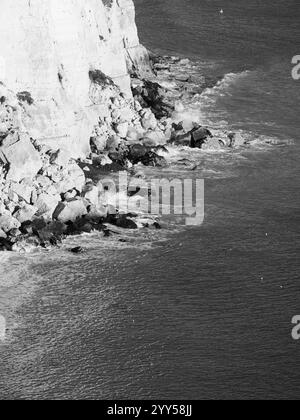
46,194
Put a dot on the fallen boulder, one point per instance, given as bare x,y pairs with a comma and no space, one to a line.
60,158
199,135
8,222
125,223
46,204
25,213
22,158
70,211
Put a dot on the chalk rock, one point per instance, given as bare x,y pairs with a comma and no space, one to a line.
25,213
70,211
23,191
92,195
149,121
99,142
8,222
122,129
61,157
46,204
24,161
73,178
133,135
2,234
154,138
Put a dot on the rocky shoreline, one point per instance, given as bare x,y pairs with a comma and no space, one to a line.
46,195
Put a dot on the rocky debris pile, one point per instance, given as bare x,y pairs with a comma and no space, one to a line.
126,125
43,191
49,199
169,96
58,201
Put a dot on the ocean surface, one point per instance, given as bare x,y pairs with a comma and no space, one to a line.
191,313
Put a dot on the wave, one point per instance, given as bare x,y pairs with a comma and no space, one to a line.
223,86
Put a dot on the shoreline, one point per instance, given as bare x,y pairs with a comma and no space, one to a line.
81,207
63,198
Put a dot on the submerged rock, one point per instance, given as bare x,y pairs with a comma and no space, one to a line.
144,154
77,250
125,223
5,245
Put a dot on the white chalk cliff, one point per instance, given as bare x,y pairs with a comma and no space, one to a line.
48,49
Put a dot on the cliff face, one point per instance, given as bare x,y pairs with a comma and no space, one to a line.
49,52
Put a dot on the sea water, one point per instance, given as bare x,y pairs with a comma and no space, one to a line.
203,312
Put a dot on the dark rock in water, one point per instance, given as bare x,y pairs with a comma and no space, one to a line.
107,233
124,241
111,219
119,156
125,223
50,234
178,127
153,159
87,228
5,245
83,225
77,250
199,135
72,229
181,138
139,153
56,227
143,154
31,227
157,225
54,241
136,153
